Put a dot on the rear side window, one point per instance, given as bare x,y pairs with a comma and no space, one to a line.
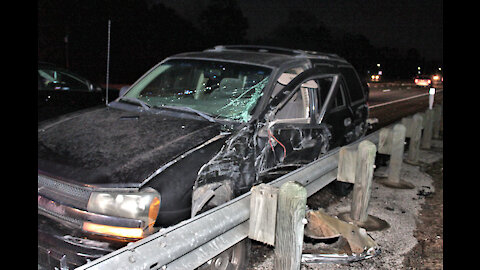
353,83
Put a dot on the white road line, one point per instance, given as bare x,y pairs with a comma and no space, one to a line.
400,100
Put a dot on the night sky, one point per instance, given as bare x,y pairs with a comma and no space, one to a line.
399,24
400,34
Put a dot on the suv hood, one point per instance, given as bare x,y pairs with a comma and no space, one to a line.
111,146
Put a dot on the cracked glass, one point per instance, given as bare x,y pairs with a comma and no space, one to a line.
218,89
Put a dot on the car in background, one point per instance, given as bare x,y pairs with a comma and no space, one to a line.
423,81
375,78
437,79
197,130
61,91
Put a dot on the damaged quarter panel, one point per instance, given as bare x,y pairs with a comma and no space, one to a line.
234,162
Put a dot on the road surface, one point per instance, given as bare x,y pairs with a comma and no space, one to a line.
389,102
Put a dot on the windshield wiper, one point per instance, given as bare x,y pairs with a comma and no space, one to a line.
188,109
136,101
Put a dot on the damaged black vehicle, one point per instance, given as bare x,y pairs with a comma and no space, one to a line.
195,131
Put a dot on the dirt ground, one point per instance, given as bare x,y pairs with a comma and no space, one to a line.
428,253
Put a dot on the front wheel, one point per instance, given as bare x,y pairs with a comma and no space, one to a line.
234,258
237,256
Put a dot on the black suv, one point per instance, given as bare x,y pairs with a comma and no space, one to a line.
195,131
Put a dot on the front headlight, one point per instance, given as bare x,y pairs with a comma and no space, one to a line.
143,205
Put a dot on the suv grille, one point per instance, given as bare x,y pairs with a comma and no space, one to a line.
64,193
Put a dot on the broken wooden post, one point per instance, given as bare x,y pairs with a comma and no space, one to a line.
426,142
415,135
396,158
437,117
360,170
291,207
263,211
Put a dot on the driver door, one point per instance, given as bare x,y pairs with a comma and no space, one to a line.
294,133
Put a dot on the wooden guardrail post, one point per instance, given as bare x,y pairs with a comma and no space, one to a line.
364,165
437,117
263,212
415,136
363,180
291,207
426,142
396,158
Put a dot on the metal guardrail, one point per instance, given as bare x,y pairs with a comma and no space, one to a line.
193,242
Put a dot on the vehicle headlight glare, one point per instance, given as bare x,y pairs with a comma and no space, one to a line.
143,205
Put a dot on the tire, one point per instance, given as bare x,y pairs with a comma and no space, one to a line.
236,257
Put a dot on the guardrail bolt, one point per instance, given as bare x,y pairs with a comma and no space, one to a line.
132,259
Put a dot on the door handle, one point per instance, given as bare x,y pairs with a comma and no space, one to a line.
347,121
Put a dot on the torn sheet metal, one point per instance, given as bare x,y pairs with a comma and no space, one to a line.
350,243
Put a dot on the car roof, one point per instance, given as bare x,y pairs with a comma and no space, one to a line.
261,55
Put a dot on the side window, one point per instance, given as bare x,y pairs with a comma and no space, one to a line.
285,78
57,80
339,99
298,105
353,83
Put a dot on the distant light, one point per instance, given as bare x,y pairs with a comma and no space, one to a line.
440,69
418,68
378,65
379,72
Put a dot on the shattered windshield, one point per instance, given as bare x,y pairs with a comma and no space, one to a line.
219,89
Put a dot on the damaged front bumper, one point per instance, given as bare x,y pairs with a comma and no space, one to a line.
61,247
63,244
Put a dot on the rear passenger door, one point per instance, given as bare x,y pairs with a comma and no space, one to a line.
357,99
339,118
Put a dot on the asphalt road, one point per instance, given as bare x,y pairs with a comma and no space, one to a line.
389,102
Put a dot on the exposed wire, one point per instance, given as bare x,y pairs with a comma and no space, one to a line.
271,135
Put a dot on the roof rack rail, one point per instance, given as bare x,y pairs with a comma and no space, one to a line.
260,48
315,53
278,50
